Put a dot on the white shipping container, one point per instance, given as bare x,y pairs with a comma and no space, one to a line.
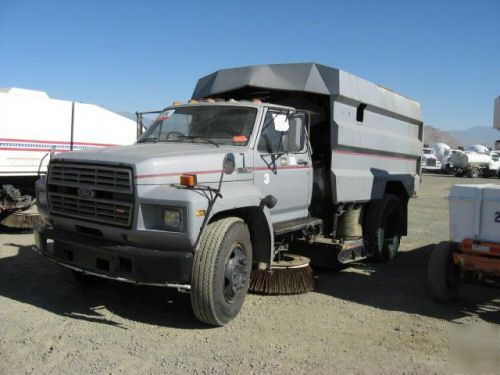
475,212
32,124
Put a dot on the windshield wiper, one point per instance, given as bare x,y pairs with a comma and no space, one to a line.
193,137
149,139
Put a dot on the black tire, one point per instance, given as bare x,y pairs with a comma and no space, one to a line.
221,271
382,230
474,172
86,280
443,275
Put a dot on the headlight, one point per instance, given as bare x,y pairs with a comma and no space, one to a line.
172,218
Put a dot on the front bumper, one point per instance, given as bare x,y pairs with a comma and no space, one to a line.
115,261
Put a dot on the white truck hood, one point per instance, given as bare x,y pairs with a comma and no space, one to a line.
162,163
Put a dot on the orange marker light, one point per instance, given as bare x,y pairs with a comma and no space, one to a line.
177,103
240,139
188,180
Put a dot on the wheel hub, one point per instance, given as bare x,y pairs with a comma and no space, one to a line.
235,275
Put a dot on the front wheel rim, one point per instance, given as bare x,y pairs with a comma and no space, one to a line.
235,273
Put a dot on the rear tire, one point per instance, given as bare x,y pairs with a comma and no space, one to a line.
474,172
443,275
383,228
221,271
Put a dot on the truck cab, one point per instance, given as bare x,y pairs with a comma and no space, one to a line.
429,160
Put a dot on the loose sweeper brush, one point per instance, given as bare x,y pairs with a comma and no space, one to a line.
21,220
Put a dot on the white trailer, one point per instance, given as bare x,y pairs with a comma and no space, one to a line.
32,124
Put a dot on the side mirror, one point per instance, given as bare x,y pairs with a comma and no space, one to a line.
296,132
229,164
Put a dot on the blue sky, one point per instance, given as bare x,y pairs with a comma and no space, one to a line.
142,55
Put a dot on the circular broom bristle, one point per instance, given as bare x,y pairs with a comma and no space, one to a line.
282,281
20,221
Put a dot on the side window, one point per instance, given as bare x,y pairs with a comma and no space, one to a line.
272,140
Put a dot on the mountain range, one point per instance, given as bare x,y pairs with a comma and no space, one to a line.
454,138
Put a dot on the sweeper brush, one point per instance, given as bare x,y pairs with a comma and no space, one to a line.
21,220
291,275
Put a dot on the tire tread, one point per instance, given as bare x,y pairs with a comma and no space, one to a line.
204,268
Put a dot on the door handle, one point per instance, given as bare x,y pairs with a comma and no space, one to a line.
302,162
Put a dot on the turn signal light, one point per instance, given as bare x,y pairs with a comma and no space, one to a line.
188,180
240,139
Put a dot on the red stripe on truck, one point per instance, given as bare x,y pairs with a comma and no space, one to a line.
32,149
171,174
376,154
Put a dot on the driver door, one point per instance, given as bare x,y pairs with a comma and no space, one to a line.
282,165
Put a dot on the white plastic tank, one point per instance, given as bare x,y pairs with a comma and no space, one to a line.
475,212
480,149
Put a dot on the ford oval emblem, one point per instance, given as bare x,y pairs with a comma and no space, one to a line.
86,193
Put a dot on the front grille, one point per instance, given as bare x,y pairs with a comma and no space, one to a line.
96,193
101,177
431,162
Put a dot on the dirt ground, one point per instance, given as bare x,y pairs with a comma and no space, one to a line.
367,318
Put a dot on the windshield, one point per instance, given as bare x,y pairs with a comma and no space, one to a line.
218,125
428,151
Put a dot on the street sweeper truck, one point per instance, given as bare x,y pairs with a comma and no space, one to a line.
31,126
218,190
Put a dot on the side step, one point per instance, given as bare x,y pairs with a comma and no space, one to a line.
295,225
352,251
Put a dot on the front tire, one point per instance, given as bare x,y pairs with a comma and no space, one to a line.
383,228
221,271
443,275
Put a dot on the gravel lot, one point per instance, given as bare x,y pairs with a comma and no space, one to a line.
367,318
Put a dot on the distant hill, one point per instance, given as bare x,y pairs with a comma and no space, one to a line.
435,135
478,134
454,138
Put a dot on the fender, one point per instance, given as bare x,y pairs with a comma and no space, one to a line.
240,197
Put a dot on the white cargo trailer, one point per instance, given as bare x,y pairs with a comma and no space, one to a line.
32,124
